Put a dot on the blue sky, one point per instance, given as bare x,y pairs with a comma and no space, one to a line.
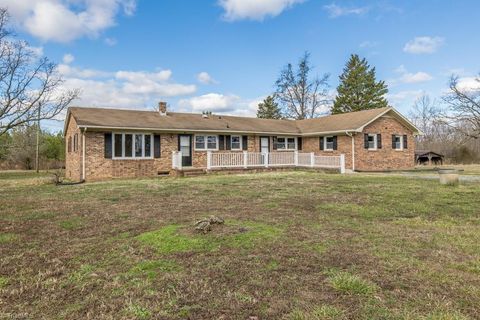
224,55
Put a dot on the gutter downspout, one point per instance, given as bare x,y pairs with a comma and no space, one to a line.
353,148
83,154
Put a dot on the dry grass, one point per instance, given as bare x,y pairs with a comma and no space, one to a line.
295,245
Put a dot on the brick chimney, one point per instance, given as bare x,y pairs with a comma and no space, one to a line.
162,108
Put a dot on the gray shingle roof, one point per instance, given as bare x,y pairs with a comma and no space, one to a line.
174,121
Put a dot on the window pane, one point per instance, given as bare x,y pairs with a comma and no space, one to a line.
148,145
398,142
128,145
371,141
118,145
212,142
138,145
291,143
199,142
329,141
280,143
185,146
236,142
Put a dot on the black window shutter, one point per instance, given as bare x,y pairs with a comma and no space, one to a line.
299,143
245,142
394,145
321,145
156,146
335,143
274,147
405,144
221,142
379,141
228,142
108,145
365,140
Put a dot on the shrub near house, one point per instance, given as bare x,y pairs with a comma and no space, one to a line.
107,143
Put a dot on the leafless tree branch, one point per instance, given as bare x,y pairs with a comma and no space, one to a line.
30,87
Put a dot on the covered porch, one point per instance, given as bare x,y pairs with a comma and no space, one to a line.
252,160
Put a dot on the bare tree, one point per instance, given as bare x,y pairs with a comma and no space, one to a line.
464,108
299,96
30,86
425,114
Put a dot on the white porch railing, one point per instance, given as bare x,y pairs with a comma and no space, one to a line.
275,159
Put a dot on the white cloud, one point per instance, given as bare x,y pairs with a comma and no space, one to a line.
424,45
205,78
124,88
214,102
416,77
470,84
408,77
254,9
336,11
404,98
368,44
221,104
66,20
68,58
37,51
110,42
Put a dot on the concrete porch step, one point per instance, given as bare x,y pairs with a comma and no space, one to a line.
192,172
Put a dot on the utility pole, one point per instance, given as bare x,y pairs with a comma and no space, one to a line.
37,152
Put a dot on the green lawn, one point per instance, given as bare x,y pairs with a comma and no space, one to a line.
295,245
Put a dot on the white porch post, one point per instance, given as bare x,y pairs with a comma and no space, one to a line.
174,160
342,163
209,160
312,159
266,159
295,159
179,160
245,159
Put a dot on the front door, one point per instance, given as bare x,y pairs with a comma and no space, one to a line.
264,144
185,146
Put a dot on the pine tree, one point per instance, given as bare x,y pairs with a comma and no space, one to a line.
268,109
359,89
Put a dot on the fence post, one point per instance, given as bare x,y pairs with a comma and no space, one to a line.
342,163
209,160
295,159
245,159
312,159
266,156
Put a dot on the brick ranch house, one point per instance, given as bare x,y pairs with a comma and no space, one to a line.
110,143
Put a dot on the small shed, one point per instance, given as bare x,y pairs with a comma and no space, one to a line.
428,157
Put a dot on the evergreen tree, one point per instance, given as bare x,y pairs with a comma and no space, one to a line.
359,89
268,109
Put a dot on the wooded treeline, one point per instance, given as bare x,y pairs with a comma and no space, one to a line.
18,149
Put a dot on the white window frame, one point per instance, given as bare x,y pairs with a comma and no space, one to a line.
286,143
205,136
325,144
375,140
401,142
240,139
133,157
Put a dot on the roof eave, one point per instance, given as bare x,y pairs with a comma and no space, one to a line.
187,130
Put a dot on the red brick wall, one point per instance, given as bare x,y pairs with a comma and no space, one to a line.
97,167
386,157
73,163
344,146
